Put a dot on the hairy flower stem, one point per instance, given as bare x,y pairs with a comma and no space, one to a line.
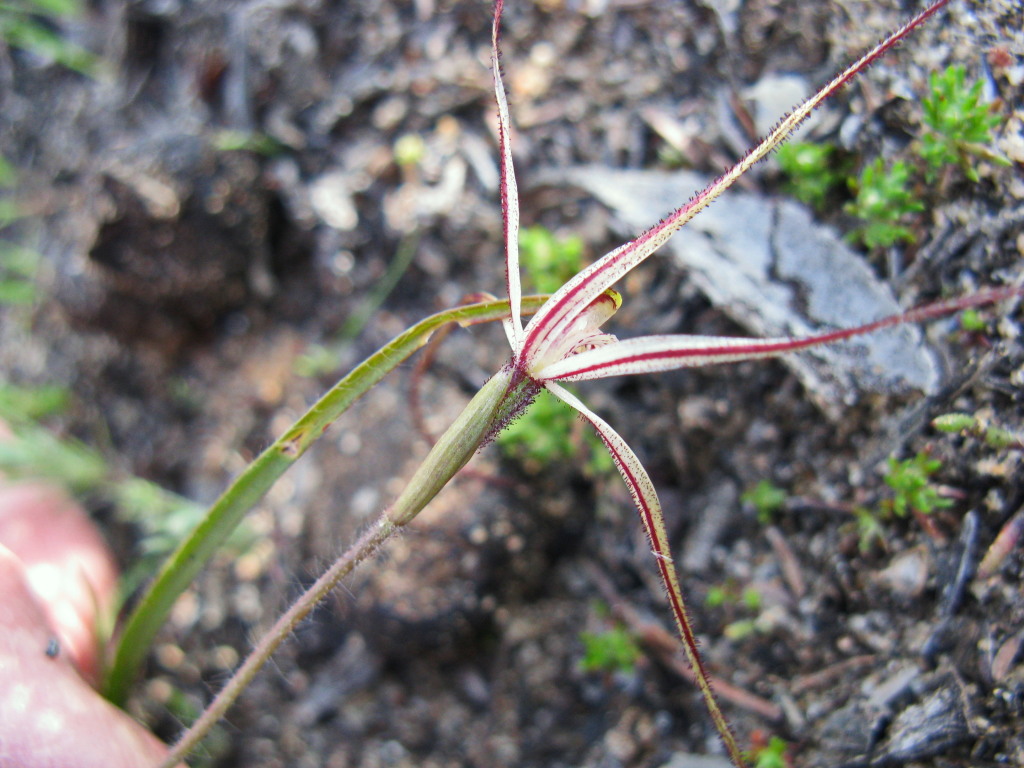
501,399
380,532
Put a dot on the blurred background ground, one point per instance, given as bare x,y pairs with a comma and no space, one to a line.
218,200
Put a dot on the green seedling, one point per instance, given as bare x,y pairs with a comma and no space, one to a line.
546,434
910,480
869,529
21,26
27,404
751,599
996,437
233,140
912,487
959,125
611,651
965,423
549,261
955,422
18,264
813,172
972,321
748,599
541,435
882,201
18,268
766,499
771,755
717,596
727,594
34,452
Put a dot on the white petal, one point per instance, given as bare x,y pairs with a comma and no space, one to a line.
647,504
509,197
650,354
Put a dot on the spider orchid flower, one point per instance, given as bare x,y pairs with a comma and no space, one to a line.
563,341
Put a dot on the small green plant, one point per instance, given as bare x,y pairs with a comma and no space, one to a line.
18,267
544,434
729,594
910,480
771,755
22,26
972,321
549,261
958,127
541,435
409,150
913,492
882,201
766,498
748,599
613,650
234,140
994,437
716,597
955,422
869,529
959,124
37,453
31,403
18,264
812,171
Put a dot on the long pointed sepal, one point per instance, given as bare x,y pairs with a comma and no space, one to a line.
509,194
647,504
650,354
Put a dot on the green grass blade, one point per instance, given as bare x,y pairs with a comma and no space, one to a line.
228,511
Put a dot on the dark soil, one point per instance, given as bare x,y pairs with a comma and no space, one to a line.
185,280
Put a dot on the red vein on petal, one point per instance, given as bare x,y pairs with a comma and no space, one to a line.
509,191
735,349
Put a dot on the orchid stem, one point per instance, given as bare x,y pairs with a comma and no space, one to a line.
363,548
503,396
